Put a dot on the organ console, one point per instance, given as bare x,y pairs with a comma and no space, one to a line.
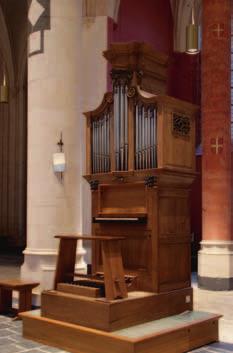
140,165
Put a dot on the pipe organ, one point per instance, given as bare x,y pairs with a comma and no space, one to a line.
140,167
140,183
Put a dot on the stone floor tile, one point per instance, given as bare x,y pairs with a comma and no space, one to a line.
16,329
11,348
17,323
4,320
34,350
15,336
222,347
4,325
5,333
27,344
5,341
48,349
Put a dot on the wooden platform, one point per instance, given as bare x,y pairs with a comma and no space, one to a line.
137,308
177,334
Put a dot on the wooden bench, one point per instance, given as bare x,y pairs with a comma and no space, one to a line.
25,295
114,278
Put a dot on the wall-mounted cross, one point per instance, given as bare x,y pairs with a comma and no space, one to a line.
216,145
218,29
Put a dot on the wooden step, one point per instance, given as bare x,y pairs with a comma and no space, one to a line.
78,290
180,333
113,315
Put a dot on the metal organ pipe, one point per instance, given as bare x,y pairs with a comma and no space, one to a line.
145,137
154,161
126,127
148,139
140,137
105,137
107,142
136,139
121,126
93,148
151,137
101,144
116,126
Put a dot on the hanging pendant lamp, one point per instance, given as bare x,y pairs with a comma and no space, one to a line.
192,36
4,90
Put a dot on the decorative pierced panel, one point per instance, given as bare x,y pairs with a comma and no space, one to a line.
101,144
181,125
145,137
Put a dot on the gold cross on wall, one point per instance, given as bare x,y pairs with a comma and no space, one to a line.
218,29
217,145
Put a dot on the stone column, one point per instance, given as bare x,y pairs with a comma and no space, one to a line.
54,91
215,265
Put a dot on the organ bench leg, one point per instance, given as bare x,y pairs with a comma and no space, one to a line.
5,300
25,300
65,261
114,278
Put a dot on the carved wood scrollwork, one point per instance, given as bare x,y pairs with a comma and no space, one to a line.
121,77
109,98
94,184
151,181
131,92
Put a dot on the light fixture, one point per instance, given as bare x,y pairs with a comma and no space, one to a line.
59,161
4,90
192,36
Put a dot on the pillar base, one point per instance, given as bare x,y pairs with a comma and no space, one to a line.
215,265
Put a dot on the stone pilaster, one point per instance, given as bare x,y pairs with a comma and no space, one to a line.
216,256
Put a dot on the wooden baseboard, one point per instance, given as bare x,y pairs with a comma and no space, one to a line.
138,308
153,337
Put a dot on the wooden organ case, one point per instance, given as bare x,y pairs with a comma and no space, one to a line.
140,167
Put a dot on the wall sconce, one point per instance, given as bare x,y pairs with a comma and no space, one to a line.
192,36
4,92
59,162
